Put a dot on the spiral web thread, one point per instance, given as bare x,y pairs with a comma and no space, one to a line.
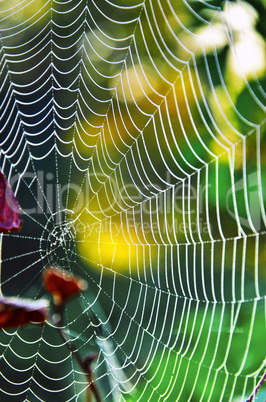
137,168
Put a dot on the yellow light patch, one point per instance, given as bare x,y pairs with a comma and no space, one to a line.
108,250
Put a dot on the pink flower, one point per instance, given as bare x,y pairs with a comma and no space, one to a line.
15,312
10,216
62,285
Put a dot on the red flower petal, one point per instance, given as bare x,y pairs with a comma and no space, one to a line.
10,216
61,284
15,312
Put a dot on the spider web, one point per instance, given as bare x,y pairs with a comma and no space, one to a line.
132,134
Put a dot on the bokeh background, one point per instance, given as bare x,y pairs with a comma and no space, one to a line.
133,135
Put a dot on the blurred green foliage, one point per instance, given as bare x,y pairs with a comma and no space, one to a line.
189,368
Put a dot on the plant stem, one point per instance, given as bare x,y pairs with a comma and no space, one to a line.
92,386
84,364
263,378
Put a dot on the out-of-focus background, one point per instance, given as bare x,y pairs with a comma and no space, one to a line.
133,136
